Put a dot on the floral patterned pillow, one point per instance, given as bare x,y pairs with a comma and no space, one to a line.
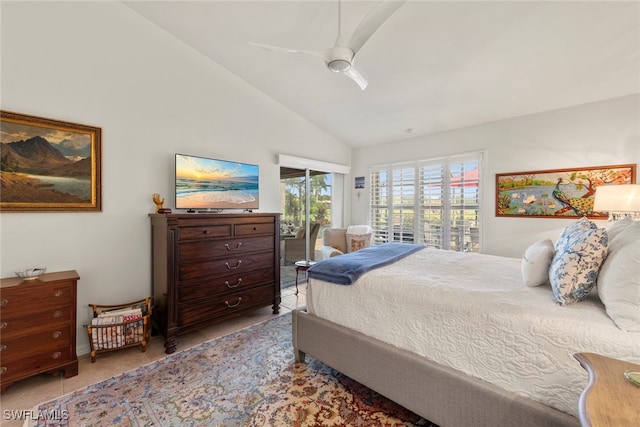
580,251
583,224
355,242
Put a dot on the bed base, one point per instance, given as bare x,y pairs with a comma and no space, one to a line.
440,394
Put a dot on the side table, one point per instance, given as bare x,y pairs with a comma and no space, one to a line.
302,266
609,399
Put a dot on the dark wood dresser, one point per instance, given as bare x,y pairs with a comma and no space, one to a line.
210,267
38,326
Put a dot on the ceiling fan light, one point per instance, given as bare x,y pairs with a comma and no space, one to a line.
339,65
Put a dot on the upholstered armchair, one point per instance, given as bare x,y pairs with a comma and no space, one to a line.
293,247
339,241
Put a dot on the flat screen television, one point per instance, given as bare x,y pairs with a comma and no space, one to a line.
206,184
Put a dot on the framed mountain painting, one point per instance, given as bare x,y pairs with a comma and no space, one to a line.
48,165
558,193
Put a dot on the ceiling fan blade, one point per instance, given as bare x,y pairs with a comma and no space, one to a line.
372,22
357,75
324,54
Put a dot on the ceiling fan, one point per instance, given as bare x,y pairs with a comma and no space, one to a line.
340,57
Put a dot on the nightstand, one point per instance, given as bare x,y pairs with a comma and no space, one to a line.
609,399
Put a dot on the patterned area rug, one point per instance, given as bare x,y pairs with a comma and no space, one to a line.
247,378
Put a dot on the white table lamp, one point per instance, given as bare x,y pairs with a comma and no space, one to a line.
619,200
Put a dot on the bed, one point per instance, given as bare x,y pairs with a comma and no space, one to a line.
459,339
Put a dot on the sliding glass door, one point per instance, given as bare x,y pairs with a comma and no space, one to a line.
303,217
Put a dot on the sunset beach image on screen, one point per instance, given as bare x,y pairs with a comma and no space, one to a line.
205,183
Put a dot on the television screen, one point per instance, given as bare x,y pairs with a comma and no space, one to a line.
204,184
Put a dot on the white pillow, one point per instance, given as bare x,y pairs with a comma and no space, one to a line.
619,279
617,226
580,251
536,261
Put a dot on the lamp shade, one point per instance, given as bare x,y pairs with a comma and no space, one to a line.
617,198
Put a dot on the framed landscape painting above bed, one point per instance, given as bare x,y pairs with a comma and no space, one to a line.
558,193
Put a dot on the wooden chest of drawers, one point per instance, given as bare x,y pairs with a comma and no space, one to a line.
38,326
210,267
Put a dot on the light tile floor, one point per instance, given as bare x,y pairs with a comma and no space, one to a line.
25,394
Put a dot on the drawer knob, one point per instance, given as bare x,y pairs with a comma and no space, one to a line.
230,286
57,293
233,305
235,266
3,370
56,334
206,232
3,325
56,355
57,314
3,347
226,245
4,302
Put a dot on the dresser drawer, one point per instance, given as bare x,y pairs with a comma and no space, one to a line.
35,363
190,251
41,342
11,326
225,285
221,306
225,266
204,232
22,300
253,229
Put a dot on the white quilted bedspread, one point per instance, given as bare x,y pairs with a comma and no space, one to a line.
472,312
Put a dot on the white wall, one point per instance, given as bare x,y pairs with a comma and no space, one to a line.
595,134
100,64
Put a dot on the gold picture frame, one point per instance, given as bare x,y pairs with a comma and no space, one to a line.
557,193
49,165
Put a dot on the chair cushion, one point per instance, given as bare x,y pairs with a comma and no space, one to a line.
336,238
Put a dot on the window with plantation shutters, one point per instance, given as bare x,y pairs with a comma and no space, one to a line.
434,202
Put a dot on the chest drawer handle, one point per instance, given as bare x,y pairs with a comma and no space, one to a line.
3,347
4,302
226,245
206,232
233,305
56,355
235,266
56,334
3,325
230,286
57,293
3,370
57,314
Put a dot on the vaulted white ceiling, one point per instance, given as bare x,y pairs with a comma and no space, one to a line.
432,66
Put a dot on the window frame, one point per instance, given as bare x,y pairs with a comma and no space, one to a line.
453,230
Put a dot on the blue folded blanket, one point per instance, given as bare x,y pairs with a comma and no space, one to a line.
346,269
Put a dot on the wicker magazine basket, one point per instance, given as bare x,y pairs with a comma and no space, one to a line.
114,327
